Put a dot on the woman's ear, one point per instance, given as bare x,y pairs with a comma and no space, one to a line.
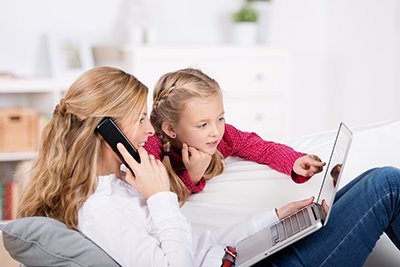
168,129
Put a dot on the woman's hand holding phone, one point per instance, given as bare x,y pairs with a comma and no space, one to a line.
150,175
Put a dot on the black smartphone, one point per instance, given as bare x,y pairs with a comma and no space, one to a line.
113,135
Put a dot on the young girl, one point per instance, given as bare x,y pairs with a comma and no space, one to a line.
192,137
77,180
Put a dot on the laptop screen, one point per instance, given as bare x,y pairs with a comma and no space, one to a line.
334,168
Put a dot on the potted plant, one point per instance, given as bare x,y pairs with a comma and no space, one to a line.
245,14
245,25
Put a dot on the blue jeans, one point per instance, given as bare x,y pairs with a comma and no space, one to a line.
363,209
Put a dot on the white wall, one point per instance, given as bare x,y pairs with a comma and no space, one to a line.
363,59
346,59
24,22
346,53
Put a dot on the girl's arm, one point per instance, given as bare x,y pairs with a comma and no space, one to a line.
252,147
192,187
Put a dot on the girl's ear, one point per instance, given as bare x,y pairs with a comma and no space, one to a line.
168,129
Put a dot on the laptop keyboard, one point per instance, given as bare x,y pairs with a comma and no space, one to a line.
289,226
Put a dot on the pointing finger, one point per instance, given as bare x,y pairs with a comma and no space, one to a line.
314,160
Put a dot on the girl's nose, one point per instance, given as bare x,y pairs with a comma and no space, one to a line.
214,130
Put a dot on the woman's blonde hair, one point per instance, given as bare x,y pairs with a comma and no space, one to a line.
171,93
64,174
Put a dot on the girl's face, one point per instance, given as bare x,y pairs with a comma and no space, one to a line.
138,132
202,123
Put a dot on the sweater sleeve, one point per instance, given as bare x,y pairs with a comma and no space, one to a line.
153,146
192,187
252,147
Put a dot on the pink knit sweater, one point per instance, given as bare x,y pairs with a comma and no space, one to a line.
245,145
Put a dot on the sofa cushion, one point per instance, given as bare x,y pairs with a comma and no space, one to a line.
42,241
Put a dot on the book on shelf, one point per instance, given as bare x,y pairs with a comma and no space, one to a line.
10,191
16,193
1,200
9,197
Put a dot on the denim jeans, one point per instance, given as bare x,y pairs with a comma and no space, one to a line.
363,210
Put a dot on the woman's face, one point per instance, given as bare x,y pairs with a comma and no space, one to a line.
202,123
137,132
140,131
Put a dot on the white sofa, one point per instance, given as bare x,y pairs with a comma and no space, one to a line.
246,188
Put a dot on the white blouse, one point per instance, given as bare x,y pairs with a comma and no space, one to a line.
136,232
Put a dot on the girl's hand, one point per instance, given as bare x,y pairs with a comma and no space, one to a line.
293,207
196,162
149,176
308,165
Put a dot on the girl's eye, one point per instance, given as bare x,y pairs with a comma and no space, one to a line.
141,120
222,119
202,125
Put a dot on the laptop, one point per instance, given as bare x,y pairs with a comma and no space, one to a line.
304,222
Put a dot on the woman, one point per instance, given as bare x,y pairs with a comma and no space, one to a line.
77,180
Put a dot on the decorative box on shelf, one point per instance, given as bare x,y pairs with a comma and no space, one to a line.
19,135
19,129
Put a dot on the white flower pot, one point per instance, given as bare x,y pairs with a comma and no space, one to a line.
244,33
264,17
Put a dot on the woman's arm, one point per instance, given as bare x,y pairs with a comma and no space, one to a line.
122,229
234,233
159,235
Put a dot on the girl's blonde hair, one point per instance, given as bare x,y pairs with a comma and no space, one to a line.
64,174
171,93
